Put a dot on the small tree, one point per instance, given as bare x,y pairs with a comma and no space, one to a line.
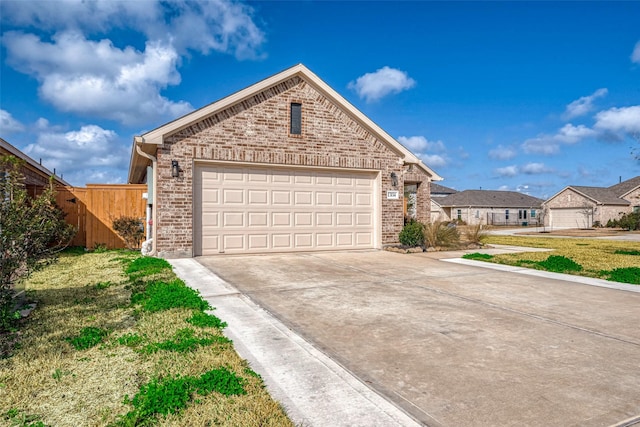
131,230
32,231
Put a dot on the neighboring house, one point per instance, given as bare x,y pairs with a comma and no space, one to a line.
284,165
437,193
490,207
583,207
36,176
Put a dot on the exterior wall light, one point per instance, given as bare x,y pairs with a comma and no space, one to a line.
175,169
394,180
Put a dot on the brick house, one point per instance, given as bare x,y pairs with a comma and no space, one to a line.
490,207
286,164
36,176
582,207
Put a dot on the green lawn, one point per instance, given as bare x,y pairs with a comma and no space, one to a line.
105,347
598,258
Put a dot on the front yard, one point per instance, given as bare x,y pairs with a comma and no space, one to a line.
598,258
109,348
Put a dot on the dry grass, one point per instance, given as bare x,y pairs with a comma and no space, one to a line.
593,254
48,378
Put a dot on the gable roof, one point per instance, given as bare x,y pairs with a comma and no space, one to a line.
150,140
605,195
489,199
441,189
625,187
31,164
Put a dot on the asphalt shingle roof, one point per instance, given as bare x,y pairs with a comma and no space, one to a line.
441,189
625,186
490,198
601,194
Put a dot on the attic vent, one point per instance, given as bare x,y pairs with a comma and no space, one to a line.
296,119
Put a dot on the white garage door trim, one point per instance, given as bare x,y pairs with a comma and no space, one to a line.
569,218
245,208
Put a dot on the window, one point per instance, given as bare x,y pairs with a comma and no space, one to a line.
296,119
506,214
533,213
477,214
460,214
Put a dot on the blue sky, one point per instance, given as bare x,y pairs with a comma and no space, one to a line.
523,96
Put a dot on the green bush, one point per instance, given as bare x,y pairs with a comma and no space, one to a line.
32,232
412,234
559,264
131,230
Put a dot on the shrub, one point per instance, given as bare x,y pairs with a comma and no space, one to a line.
630,221
32,232
559,264
131,230
412,234
441,234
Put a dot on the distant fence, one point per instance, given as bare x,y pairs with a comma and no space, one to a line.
92,210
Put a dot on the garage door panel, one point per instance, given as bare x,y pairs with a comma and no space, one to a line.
243,209
258,197
233,196
279,197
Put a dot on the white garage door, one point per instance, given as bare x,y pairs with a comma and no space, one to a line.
571,218
259,210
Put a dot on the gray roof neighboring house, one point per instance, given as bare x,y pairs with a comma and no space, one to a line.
606,195
438,190
489,199
600,195
625,187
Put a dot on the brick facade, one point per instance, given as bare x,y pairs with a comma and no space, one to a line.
256,130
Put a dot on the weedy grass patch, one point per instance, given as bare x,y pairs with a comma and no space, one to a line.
123,347
477,256
598,258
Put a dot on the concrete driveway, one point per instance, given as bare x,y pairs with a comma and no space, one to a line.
458,345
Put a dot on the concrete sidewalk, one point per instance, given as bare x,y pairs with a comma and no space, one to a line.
314,389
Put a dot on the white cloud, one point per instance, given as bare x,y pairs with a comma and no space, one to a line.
534,168
117,84
81,153
502,153
420,144
98,78
635,56
583,105
619,120
432,153
550,144
8,124
507,171
201,25
434,160
385,81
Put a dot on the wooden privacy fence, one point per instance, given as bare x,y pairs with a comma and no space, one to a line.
92,210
